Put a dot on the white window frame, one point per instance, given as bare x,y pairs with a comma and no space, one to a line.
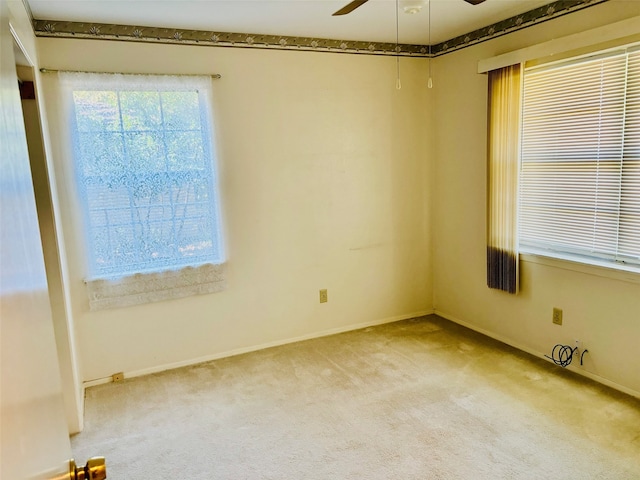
579,262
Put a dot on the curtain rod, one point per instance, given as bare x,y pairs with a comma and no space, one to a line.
49,70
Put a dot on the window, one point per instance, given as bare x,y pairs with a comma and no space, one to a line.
580,159
145,174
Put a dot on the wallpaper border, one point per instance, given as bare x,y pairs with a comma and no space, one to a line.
134,33
513,24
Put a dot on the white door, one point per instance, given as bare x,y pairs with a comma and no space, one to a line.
34,441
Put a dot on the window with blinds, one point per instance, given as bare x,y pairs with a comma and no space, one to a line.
580,158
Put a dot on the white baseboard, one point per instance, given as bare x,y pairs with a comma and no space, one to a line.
240,351
510,342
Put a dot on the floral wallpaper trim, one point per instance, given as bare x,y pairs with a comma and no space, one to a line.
63,29
518,22
48,28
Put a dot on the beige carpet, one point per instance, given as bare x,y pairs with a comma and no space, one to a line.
417,399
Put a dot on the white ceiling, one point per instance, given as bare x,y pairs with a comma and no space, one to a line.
375,21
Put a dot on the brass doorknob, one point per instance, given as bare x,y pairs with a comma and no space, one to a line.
95,469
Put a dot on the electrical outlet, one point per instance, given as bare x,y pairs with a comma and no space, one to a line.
117,377
557,316
324,297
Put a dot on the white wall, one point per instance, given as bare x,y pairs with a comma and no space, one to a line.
602,312
324,167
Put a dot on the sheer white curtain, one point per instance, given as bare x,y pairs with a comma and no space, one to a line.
145,178
154,287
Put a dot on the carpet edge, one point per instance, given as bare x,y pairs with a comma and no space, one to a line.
253,348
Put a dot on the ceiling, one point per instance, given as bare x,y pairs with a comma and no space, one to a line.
375,21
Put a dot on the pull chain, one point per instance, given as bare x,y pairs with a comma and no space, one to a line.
398,83
430,81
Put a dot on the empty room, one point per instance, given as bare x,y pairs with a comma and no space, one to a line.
320,239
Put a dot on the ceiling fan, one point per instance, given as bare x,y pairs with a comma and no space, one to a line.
351,6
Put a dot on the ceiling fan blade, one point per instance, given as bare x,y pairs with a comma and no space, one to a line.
350,7
474,2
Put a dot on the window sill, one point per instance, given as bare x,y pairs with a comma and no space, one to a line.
622,273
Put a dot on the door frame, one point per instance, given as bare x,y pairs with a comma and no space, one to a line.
51,235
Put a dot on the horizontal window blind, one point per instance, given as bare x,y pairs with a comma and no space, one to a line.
580,158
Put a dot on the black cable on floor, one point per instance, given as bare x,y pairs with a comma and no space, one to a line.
563,354
585,351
